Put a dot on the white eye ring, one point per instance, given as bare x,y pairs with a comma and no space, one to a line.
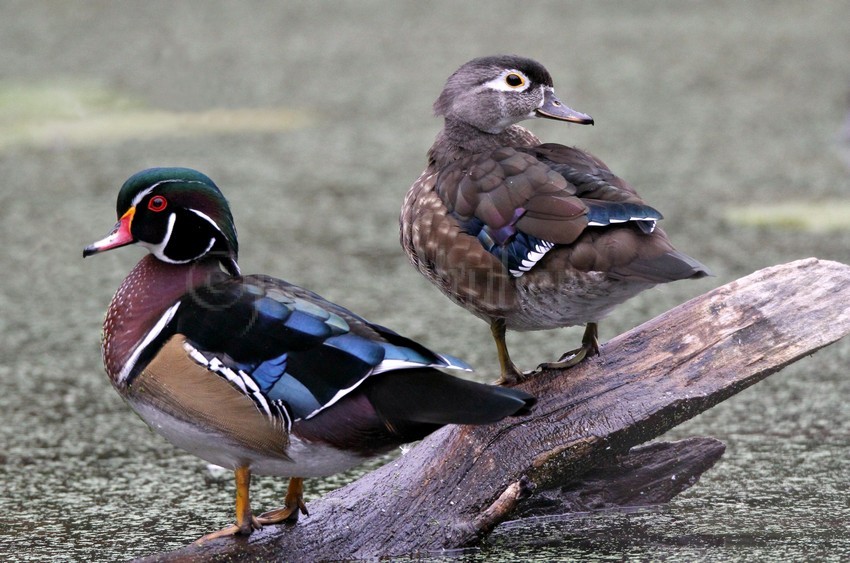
501,82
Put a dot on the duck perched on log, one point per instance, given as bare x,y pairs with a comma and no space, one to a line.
523,234
253,373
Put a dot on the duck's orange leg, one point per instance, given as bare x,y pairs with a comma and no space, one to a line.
246,523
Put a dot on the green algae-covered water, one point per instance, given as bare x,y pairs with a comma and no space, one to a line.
314,119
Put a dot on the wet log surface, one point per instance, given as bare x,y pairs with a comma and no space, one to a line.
454,487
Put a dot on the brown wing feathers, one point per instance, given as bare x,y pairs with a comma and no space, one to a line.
544,192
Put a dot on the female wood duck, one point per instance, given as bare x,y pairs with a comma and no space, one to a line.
253,373
528,236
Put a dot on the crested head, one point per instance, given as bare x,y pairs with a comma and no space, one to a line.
179,214
494,93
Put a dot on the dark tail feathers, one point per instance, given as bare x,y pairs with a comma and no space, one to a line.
432,397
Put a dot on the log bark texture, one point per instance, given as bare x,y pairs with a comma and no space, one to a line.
459,483
648,475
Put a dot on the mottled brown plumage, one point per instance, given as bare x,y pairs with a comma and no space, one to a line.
528,236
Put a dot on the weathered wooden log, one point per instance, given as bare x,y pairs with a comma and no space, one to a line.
459,483
648,475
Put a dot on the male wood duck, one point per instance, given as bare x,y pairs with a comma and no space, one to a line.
253,373
528,236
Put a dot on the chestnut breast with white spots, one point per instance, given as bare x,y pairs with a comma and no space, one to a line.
147,292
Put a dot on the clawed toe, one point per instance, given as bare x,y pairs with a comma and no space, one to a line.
232,530
589,347
567,360
246,522
514,376
288,514
293,505
511,375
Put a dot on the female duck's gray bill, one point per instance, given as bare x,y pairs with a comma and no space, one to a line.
553,108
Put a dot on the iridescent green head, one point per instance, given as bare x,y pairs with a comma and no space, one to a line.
178,214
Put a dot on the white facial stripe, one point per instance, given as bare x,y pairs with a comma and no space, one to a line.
159,248
500,84
141,195
206,218
157,251
208,248
171,220
543,90
149,337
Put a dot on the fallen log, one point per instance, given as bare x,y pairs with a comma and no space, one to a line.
648,475
455,486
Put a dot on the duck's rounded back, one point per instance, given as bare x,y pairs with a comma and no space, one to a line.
528,236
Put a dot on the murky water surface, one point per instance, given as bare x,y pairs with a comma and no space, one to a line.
323,121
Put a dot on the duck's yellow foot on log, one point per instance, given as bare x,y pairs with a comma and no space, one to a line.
589,348
292,505
246,522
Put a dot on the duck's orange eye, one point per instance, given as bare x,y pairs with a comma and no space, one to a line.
157,203
514,80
